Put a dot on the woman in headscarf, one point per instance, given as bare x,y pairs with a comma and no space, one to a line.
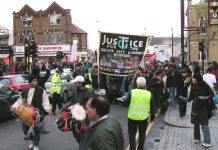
201,95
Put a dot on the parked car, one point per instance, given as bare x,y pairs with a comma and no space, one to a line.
7,97
67,88
18,82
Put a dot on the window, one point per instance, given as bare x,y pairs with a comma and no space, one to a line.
26,80
83,42
5,90
60,38
47,39
27,21
29,37
5,81
55,19
19,79
54,38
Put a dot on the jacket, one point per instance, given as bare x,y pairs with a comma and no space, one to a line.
139,108
105,135
56,83
200,106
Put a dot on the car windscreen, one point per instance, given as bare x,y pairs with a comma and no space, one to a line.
6,81
19,79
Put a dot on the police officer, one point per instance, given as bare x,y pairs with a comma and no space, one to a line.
141,107
92,79
56,86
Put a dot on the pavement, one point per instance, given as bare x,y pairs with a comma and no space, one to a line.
178,133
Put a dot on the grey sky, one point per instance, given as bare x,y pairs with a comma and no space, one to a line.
153,17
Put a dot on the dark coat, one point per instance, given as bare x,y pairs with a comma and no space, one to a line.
172,79
200,107
105,135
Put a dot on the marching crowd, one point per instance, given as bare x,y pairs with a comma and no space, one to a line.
153,86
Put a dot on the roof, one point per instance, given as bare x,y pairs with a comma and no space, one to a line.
55,7
76,29
27,9
165,40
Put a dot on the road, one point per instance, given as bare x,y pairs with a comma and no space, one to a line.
11,137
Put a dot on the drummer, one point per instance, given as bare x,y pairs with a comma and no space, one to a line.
81,95
38,98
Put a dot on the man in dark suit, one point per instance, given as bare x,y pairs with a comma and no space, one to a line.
105,132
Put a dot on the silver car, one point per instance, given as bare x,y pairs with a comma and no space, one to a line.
67,88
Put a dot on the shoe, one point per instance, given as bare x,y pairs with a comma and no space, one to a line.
120,99
44,131
196,141
30,146
35,148
207,145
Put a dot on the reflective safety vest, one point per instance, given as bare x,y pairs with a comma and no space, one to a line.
139,108
90,80
56,83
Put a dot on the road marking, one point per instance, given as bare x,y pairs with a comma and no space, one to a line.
150,124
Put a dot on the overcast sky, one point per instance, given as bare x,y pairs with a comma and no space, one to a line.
153,17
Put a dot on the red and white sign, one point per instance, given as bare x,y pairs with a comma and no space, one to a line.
62,47
47,48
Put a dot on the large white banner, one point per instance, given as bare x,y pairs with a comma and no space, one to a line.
73,55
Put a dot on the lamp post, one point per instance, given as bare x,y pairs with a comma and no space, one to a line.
182,30
172,42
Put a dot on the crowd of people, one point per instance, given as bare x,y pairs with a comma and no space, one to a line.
157,85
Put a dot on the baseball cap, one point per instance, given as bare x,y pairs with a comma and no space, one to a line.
78,79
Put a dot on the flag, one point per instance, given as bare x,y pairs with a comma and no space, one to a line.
74,52
151,57
73,55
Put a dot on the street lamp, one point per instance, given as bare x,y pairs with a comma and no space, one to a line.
182,30
172,42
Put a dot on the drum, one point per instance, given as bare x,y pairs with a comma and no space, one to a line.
25,112
72,119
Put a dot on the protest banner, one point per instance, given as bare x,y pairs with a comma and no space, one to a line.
120,54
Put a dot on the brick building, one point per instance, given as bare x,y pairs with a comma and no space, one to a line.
210,37
52,29
5,43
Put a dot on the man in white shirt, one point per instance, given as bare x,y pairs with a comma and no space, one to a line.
38,98
210,79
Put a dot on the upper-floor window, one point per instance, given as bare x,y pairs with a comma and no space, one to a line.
30,37
55,19
83,42
47,39
60,38
53,38
27,21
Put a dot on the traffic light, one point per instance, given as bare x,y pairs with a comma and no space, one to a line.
26,48
34,50
11,52
201,46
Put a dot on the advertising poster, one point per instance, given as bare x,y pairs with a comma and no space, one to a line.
120,54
